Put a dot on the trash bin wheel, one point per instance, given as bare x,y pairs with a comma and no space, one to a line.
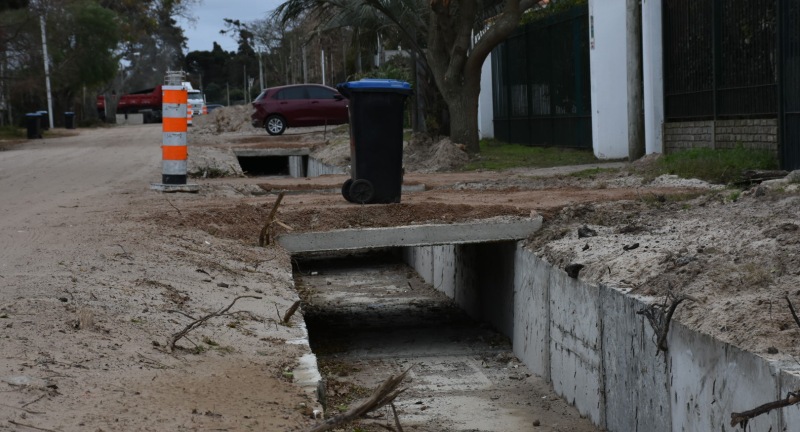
361,191
346,189
275,125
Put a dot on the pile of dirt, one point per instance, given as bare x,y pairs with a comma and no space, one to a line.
735,254
335,153
423,155
226,119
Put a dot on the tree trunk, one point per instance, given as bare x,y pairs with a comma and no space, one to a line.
456,58
462,101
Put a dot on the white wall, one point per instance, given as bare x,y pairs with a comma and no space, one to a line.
653,71
608,61
485,107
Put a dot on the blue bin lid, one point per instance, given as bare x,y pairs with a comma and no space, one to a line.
373,83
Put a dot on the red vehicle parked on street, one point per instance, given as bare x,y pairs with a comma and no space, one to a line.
278,108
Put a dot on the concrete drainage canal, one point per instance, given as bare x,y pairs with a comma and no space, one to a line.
370,315
492,333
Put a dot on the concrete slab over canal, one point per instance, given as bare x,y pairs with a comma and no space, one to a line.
502,229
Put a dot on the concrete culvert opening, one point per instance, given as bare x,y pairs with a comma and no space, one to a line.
370,315
258,166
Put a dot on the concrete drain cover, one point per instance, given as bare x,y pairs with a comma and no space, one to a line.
413,235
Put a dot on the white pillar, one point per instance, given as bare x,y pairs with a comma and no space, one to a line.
485,104
609,77
653,70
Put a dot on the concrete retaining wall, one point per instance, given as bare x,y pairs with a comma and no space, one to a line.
711,379
297,167
636,379
486,295
599,354
317,168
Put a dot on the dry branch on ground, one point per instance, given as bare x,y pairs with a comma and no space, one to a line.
383,395
264,236
196,323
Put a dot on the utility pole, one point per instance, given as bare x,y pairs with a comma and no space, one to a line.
3,104
305,66
322,60
260,71
46,71
636,145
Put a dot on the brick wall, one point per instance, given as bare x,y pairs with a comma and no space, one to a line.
750,133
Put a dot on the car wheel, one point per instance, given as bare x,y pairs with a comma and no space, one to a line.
361,191
275,125
346,189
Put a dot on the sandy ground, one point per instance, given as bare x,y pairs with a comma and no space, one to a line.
97,273
93,288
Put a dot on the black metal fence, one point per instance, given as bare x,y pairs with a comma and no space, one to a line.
789,15
720,59
541,83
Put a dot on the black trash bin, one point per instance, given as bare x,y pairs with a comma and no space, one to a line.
376,139
45,120
69,120
32,122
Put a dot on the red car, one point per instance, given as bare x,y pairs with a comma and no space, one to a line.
297,105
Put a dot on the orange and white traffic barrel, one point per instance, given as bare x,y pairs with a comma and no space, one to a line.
189,113
173,149
205,109
174,153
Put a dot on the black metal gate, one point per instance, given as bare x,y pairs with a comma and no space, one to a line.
719,59
542,91
790,83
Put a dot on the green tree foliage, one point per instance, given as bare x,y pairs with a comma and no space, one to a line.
212,67
94,46
82,43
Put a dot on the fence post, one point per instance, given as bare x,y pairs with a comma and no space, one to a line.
174,153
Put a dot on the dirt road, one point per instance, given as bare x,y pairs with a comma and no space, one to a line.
87,285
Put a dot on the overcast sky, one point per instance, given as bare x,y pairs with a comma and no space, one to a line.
209,16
